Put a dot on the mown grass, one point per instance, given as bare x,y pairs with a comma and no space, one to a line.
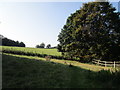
86,66
33,72
53,52
40,52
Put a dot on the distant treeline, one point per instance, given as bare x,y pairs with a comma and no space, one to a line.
9,42
42,45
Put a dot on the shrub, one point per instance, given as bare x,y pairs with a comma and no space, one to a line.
48,58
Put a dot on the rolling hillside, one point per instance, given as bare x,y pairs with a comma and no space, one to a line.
33,72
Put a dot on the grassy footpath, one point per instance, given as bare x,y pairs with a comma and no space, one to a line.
33,72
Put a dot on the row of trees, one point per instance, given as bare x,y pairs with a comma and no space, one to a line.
91,32
9,42
42,45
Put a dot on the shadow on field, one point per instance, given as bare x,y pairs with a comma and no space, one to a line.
18,72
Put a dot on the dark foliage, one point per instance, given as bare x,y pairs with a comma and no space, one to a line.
91,32
48,46
9,42
42,45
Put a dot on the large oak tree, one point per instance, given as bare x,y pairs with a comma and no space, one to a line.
91,32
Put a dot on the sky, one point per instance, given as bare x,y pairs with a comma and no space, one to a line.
35,22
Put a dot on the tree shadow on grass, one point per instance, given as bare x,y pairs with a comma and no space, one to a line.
19,72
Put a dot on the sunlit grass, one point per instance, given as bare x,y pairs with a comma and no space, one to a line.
86,66
53,52
21,71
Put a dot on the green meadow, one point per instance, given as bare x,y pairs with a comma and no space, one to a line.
89,41
22,71
52,52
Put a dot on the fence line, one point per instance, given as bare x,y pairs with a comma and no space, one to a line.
107,63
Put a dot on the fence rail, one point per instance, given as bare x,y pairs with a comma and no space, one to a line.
107,63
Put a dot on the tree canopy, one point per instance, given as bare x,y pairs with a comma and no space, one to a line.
9,42
91,32
48,46
42,45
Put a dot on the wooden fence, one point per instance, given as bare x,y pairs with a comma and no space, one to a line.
107,63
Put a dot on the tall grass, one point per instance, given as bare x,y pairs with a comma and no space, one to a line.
24,72
107,78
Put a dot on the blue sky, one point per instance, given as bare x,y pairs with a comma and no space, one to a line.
35,22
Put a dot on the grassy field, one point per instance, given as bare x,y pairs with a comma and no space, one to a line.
41,51
33,72
30,70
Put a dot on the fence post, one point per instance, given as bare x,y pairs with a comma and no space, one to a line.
114,64
105,63
98,62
